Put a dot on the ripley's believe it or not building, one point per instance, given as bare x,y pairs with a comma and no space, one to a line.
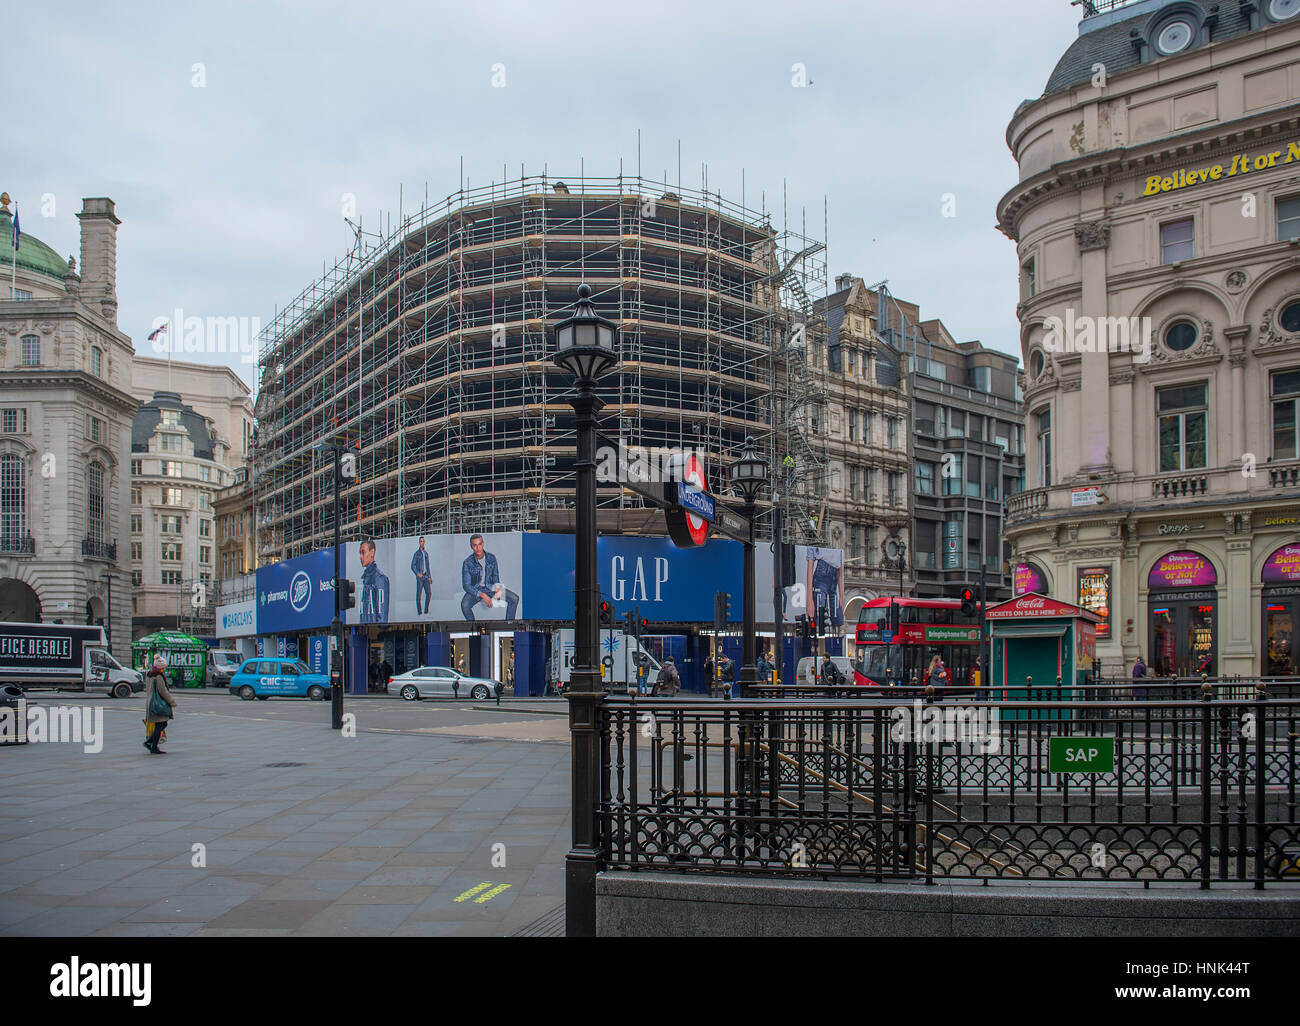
1157,223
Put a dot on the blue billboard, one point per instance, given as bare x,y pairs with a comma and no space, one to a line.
667,583
296,594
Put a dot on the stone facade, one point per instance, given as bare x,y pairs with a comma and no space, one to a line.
65,433
1156,220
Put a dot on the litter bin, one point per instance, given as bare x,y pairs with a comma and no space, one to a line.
13,715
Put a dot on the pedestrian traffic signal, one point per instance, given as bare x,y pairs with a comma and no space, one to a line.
606,613
347,593
967,602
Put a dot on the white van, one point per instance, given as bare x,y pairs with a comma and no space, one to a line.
223,663
809,670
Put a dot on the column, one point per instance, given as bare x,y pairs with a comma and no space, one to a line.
1093,237
437,649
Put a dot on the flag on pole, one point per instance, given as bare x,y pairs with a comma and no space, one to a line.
156,332
17,230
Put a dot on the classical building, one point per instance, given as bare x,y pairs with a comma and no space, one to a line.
187,446
867,426
65,422
1157,222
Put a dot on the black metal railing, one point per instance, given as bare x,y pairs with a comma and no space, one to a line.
97,549
23,546
1197,791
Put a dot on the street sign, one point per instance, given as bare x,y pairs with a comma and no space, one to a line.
1081,755
697,501
886,636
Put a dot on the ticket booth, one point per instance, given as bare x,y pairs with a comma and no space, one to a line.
1035,640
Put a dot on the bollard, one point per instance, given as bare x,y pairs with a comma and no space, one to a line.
726,692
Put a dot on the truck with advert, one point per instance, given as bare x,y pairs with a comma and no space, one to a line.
68,657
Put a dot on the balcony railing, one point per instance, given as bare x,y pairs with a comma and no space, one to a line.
97,549
1285,476
12,544
1178,486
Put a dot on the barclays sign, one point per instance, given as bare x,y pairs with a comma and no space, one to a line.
237,620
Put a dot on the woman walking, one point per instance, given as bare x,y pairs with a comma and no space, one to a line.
159,706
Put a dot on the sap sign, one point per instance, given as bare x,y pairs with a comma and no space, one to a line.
297,594
237,620
668,583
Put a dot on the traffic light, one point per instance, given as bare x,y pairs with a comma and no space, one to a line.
606,613
721,610
347,593
967,602
629,623
642,625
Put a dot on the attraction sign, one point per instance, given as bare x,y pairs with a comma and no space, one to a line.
1182,570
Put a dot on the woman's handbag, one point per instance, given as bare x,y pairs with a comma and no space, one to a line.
158,705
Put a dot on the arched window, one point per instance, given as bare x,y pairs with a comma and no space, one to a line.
96,361
13,502
95,491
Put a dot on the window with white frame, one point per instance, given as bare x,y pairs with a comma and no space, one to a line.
171,577
171,552
1182,412
137,551
137,523
13,500
31,351
1288,218
1285,395
205,528
1043,422
95,494
169,523
1177,240
96,361
14,422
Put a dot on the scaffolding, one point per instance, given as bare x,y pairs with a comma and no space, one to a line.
428,352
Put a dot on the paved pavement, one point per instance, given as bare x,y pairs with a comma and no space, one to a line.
304,832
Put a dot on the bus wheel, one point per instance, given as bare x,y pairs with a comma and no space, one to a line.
122,691
247,693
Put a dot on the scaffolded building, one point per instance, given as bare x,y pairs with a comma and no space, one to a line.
429,355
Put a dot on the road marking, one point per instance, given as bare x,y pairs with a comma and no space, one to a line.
491,894
474,890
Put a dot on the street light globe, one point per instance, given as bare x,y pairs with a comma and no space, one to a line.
748,473
585,342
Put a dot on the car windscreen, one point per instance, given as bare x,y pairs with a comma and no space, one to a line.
300,666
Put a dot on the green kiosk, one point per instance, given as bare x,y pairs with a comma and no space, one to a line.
1035,640
184,653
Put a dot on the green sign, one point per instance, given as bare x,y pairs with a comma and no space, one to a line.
952,634
1081,755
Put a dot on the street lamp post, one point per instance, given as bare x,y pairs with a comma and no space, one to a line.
586,347
108,610
336,626
748,474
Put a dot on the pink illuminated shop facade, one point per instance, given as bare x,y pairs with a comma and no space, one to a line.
1207,594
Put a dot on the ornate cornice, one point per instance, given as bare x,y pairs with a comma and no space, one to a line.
1204,349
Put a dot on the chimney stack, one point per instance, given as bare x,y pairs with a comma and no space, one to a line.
843,281
99,255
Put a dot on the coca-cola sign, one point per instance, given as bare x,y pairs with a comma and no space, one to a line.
1032,606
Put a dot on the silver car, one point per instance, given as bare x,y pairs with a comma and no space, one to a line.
441,682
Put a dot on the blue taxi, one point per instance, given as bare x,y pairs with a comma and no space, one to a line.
263,677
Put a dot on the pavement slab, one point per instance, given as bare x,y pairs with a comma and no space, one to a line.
372,835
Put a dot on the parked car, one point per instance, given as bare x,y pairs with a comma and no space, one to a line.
223,663
804,672
441,682
290,678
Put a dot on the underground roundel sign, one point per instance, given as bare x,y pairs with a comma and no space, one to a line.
685,528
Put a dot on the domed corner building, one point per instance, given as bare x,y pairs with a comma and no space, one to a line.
1157,224
65,429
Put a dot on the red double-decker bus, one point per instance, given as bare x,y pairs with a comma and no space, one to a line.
897,638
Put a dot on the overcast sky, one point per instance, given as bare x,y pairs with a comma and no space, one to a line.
230,191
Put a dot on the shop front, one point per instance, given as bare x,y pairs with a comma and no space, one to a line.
1280,599
1183,606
